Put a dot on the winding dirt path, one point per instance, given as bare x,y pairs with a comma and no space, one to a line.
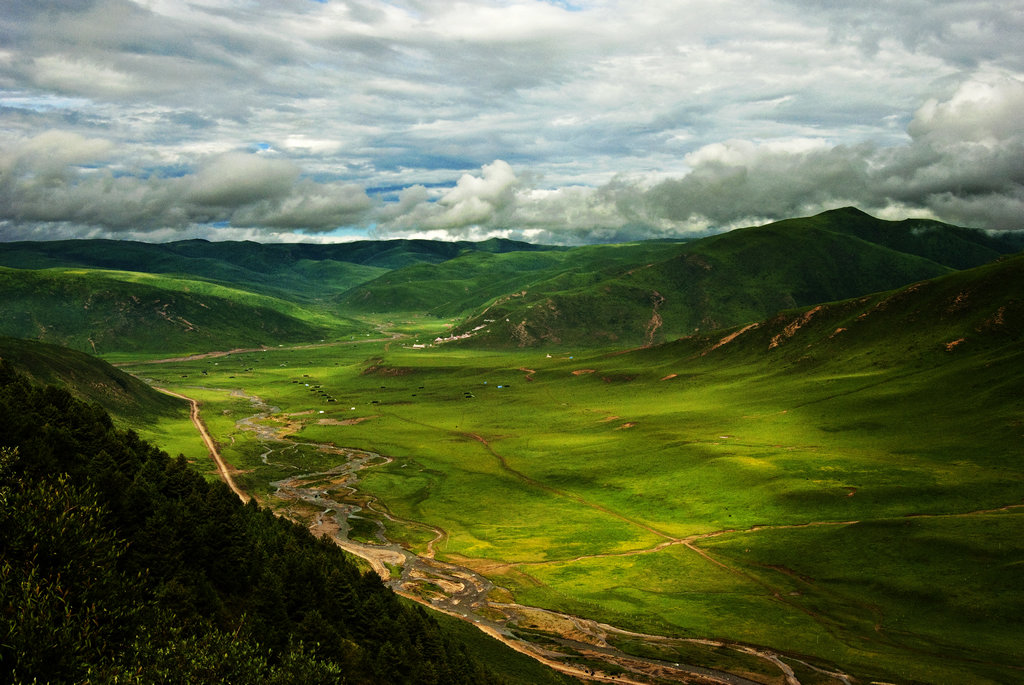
262,348
197,421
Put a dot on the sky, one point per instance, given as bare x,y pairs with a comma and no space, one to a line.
553,121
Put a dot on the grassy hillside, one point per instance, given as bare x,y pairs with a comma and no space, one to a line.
111,311
517,294
89,379
838,484
132,404
724,280
454,287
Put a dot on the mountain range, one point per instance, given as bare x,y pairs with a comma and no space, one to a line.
106,297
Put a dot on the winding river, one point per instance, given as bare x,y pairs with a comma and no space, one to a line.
331,504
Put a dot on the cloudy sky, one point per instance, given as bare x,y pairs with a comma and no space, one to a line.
557,121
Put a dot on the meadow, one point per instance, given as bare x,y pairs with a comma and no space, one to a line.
848,515
836,481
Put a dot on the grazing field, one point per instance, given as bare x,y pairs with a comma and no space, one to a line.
848,516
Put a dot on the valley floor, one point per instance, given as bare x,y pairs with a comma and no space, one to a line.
734,527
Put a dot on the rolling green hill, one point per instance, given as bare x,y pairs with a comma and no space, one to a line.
453,287
302,272
505,293
131,403
102,312
640,294
91,380
978,310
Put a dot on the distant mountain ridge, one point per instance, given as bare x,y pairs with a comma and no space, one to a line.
668,290
501,293
299,270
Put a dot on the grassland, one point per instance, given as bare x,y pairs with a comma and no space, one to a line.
836,498
841,484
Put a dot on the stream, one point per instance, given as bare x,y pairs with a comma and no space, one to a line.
330,503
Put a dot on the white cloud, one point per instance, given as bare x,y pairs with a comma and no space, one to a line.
614,118
72,75
51,152
986,110
493,187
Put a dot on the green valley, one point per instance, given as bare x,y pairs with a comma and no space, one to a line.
788,453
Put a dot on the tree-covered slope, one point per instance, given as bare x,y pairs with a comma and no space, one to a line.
121,564
113,311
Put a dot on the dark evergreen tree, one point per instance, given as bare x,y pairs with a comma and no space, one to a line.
121,564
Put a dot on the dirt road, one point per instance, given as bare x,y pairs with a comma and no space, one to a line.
262,348
197,421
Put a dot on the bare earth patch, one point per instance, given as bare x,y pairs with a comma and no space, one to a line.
729,338
793,327
343,422
580,372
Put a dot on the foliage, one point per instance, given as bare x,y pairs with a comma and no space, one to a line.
121,564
